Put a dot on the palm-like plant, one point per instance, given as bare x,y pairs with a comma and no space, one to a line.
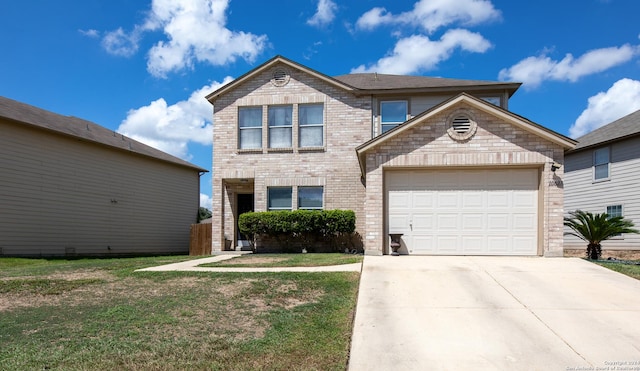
595,228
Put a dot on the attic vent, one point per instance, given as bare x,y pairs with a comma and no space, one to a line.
462,127
461,124
280,77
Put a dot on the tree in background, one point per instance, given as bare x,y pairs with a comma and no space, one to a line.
595,228
203,213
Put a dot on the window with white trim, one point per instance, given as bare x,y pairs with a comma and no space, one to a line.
392,114
249,127
311,125
310,198
279,198
601,164
280,126
615,211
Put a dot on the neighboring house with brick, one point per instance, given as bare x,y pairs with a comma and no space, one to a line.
441,161
602,175
70,187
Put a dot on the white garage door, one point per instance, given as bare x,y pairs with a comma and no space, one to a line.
464,212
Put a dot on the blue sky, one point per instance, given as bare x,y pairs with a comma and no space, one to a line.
143,67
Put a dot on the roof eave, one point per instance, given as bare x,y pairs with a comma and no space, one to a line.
511,88
185,164
603,143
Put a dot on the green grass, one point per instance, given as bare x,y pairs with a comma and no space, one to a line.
631,270
98,314
287,260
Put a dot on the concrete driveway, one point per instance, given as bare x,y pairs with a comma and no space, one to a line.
494,313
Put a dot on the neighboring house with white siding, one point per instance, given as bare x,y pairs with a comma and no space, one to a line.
441,161
71,187
602,175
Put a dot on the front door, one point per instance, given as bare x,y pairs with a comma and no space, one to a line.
245,205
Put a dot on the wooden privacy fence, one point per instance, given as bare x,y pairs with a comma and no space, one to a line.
200,239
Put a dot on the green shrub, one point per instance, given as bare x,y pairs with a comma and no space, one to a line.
299,226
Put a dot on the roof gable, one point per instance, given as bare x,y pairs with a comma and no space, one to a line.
81,129
269,64
479,104
621,128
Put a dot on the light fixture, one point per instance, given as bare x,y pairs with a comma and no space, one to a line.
555,166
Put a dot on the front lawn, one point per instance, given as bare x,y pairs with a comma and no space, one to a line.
99,314
629,268
287,260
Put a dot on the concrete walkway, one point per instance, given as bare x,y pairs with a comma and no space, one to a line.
193,266
494,313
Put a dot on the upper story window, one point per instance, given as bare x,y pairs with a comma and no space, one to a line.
392,114
310,198
280,126
311,125
493,100
601,164
279,198
250,127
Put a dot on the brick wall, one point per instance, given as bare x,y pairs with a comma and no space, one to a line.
495,143
347,124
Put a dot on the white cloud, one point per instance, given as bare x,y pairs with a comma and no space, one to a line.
620,100
196,32
416,53
325,13
532,71
170,128
433,14
90,33
121,43
205,201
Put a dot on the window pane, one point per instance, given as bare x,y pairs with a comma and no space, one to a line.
393,111
311,136
386,128
602,156
279,198
614,211
310,197
250,117
279,137
251,138
310,114
601,171
493,100
280,116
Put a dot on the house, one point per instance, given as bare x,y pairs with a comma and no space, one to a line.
441,161
70,187
602,174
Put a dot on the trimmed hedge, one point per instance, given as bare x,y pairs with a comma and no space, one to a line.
299,227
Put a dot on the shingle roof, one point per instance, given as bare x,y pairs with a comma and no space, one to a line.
376,83
624,127
83,129
379,82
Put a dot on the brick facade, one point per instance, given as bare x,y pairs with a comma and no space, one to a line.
347,120
357,183
496,143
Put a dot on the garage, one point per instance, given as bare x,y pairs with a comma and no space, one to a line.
464,211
